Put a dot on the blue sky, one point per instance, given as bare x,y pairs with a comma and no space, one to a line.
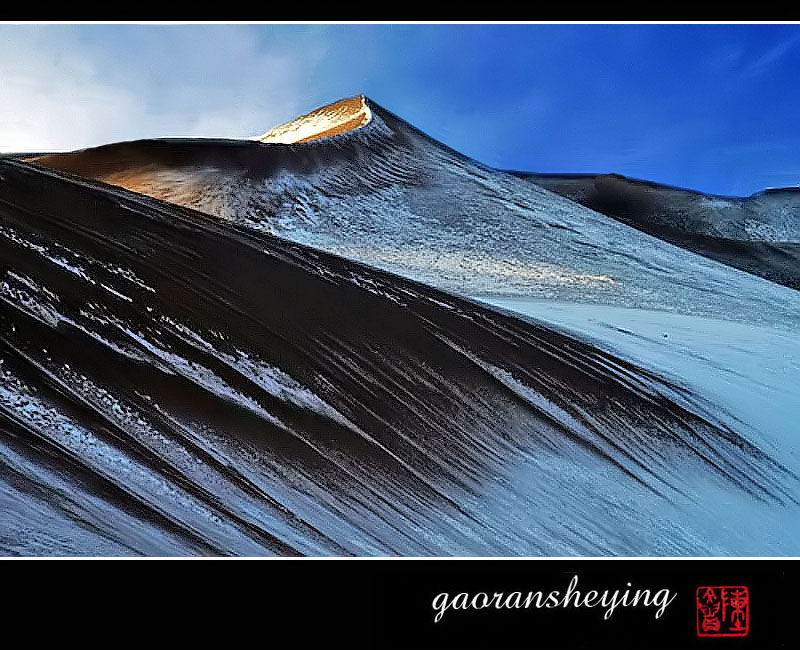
710,107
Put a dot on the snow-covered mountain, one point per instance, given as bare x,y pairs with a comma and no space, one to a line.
384,193
431,357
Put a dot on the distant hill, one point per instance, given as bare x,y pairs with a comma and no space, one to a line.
759,234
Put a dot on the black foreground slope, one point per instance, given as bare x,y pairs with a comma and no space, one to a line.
173,385
759,234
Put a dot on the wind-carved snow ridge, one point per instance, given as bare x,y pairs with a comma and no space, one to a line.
269,378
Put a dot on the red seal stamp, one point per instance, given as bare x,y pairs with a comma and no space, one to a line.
723,611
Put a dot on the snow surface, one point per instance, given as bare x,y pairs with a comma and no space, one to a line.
749,376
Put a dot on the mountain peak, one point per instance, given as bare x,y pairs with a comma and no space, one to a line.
334,119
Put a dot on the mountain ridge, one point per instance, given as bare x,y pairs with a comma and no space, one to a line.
388,194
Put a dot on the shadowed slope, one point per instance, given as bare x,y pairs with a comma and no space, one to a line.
173,385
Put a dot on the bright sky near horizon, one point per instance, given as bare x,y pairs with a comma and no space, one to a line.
709,107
